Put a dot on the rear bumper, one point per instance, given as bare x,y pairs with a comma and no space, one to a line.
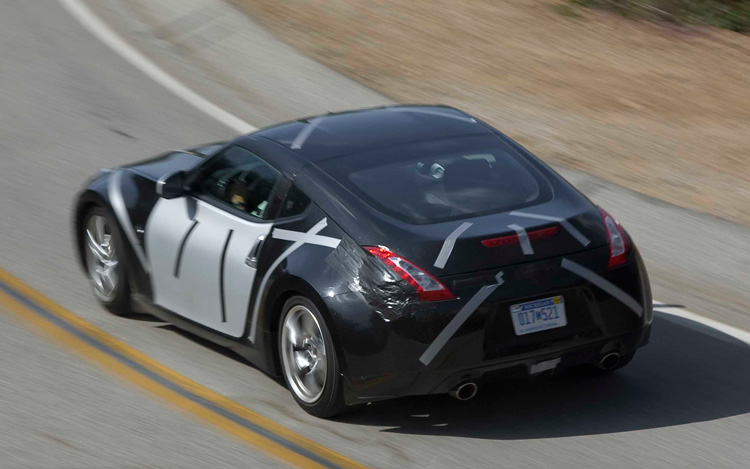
441,381
380,356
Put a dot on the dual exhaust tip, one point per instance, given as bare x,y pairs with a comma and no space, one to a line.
467,390
464,391
609,361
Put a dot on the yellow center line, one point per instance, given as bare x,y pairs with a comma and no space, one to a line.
133,376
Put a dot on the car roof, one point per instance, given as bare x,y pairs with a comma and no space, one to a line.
319,138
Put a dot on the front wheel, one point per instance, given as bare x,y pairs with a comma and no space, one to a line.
103,252
308,359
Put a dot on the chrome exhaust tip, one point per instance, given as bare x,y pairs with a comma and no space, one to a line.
464,391
609,361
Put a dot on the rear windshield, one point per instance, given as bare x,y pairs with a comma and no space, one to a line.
442,180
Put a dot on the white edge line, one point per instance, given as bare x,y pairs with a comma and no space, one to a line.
104,33
732,331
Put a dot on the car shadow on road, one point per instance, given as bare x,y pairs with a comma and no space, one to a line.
205,343
143,317
688,373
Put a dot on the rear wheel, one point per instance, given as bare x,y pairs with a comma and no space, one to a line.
103,252
308,359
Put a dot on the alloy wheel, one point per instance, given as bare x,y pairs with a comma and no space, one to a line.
303,353
101,258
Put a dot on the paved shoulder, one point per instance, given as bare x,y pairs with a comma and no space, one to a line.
232,61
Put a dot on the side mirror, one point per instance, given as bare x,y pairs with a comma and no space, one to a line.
171,185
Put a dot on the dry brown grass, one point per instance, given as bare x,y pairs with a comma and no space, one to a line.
660,110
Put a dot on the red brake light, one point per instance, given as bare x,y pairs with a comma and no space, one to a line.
513,239
428,287
619,241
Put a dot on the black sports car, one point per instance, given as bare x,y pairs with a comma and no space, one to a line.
370,254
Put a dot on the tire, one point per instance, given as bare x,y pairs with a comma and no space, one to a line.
114,294
301,319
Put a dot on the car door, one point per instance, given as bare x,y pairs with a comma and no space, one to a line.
203,246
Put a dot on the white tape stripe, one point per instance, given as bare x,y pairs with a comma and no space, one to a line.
534,215
308,238
604,284
574,232
565,224
737,333
448,115
523,238
301,137
101,31
450,241
259,295
463,314
114,191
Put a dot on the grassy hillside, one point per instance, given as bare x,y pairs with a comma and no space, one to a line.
727,14
659,108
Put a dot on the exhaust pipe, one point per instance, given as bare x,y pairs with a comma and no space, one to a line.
609,361
465,391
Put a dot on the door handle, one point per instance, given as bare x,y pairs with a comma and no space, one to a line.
252,258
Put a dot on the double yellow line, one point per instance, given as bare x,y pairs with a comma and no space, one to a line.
69,330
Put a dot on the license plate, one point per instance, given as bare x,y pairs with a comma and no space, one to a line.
539,315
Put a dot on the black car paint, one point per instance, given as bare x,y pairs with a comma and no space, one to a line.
486,342
379,343
138,187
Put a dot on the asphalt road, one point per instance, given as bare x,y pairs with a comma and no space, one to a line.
69,105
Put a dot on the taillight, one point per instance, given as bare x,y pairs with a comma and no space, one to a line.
619,241
428,287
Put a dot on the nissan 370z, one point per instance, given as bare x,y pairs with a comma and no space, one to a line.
368,255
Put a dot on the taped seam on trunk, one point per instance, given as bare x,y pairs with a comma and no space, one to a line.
449,243
523,239
463,314
562,221
603,284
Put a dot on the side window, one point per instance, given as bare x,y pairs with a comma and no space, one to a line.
294,204
240,179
